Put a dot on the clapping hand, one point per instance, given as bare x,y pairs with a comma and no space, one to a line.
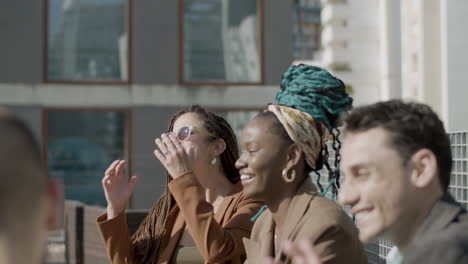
174,157
117,188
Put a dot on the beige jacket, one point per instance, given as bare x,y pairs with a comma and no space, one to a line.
217,236
310,216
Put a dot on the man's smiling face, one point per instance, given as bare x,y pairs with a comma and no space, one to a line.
377,184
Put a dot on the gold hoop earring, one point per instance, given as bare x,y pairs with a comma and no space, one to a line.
288,178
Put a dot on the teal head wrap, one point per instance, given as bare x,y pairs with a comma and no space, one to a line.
315,91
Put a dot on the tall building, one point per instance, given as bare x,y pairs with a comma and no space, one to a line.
400,49
98,80
306,28
413,50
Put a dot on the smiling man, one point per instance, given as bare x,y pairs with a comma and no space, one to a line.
397,162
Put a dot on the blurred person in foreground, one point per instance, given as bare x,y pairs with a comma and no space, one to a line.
29,201
203,214
280,148
397,163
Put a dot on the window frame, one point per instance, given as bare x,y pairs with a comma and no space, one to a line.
45,52
127,137
219,110
260,46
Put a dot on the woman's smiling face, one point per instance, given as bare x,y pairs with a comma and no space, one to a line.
263,157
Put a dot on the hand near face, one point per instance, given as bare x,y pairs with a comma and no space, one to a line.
176,159
301,253
117,188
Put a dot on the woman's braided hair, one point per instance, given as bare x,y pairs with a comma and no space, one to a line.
153,234
323,96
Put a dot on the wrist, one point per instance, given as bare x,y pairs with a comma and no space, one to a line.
112,212
182,174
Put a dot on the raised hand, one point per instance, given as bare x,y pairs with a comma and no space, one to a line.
117,188
176,159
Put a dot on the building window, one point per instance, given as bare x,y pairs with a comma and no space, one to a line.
87,41
306,28
221,41
80,145
238,119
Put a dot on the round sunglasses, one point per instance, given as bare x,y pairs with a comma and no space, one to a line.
184,132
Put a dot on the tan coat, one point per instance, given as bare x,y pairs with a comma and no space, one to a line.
310,216
217,236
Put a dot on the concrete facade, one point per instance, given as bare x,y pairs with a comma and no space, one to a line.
400,49
454,62
351,50
154,92
414,50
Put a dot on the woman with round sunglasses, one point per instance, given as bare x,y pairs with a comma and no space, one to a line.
280,148
203,214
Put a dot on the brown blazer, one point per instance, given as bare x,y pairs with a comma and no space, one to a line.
310,216
217,236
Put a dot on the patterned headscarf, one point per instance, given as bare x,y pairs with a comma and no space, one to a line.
307,133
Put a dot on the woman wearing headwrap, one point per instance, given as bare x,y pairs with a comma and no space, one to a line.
280,148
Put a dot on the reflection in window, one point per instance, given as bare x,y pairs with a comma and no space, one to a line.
87,40
221,41
81,144
306,28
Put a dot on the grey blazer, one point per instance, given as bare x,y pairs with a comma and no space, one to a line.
443,237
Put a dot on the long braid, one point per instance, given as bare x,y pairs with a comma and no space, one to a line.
218,127
331,172
148,239
334,173
336,147
152,235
